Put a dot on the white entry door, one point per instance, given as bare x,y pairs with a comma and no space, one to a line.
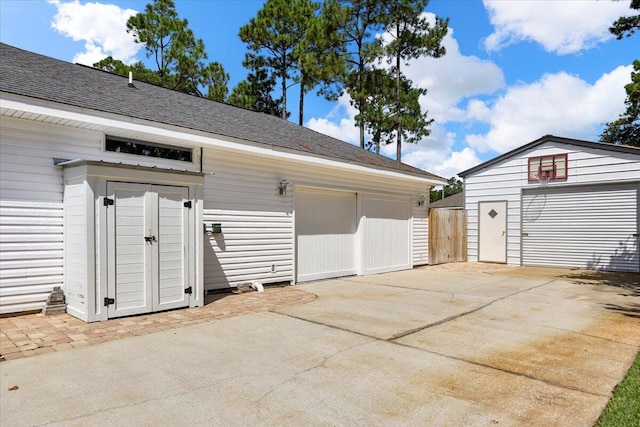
147,248
492,234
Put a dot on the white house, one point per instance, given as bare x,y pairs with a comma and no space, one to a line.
556,202
134,198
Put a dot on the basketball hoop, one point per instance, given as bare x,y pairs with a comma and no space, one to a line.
544,178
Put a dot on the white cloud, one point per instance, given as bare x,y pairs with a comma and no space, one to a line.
560,26
101,26
452,78
478,110
560,104
435,154
345,128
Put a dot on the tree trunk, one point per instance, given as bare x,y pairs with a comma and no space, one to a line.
284,91
398,118
360,104
361,125
301,102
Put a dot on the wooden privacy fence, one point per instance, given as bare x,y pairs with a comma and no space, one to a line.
447,236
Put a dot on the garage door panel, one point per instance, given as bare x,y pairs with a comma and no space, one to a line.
385,234
325,234
584,227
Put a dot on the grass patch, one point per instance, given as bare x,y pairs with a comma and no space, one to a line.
623,410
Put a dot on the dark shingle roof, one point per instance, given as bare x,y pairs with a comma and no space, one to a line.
33,75
453,201
552,138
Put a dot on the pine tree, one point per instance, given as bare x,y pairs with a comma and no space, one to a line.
626,129
255,92
179,57
359,22
275,33
410,36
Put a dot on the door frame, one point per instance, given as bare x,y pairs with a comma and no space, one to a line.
97,174
151,214
506,229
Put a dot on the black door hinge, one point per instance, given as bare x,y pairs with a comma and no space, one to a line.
188,290
108,202
109,301
187,204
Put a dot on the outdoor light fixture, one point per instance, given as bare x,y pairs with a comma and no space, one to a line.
421,200
282,187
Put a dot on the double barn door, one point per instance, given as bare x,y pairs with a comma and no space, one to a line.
147,230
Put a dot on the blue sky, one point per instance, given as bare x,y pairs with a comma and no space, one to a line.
515,70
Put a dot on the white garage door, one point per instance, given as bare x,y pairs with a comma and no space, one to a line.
386,234
325,234
594,227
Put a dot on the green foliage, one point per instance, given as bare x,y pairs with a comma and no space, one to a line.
410,36
138,69
320,60
381,106
626,129
178,56
625,26
454,186
359,21
254,93
216,81
274,35
623,409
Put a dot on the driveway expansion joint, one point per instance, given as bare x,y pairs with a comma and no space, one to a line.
315,322
457,316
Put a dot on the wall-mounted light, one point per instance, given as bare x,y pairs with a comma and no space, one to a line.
282,187
421,200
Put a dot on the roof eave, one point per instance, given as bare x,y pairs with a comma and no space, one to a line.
52,109
551,138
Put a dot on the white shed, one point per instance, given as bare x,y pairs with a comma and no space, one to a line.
134,198
556,202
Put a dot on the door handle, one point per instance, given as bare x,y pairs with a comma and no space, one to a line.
150,239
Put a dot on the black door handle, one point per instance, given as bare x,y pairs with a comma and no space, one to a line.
150,239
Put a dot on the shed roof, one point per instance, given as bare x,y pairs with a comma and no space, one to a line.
453,201
36,76
552,138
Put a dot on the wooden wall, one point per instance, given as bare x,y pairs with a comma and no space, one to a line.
447,236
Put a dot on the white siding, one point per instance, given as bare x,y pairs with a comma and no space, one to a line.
505,181
31,248
75,245
257,224
257,227
257,242
31,204
420,232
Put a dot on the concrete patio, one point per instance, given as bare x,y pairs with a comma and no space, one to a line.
466,344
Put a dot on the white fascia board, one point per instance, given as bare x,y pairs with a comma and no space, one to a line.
197,138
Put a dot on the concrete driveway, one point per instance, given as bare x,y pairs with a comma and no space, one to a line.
420,347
